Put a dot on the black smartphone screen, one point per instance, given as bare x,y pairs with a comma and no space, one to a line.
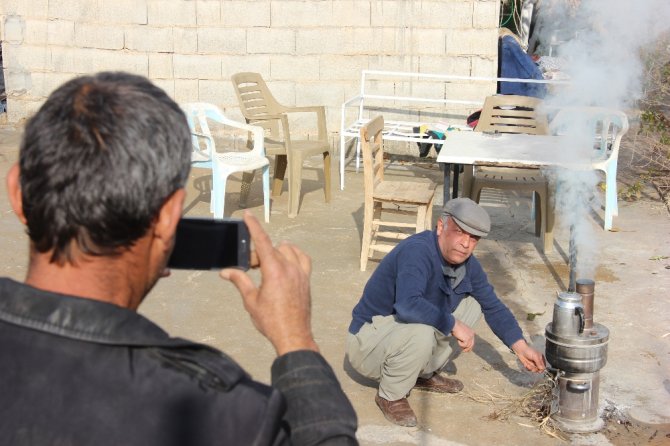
207,244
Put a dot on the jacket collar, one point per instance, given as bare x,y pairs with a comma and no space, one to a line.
79,318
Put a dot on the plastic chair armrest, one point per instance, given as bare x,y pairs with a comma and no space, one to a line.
320,111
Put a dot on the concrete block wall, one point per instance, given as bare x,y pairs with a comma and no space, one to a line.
309,51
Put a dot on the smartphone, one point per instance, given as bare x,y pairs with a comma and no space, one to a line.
210,244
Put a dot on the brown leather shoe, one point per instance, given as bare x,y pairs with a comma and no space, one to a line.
397,412
439,384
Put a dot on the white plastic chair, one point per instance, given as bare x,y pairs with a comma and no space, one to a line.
225,163
607,127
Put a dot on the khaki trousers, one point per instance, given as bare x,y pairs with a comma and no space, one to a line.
395,354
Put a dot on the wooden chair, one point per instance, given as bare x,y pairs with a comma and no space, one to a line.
379,191
516,114
259,107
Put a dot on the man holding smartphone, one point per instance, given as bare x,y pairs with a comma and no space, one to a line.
100,188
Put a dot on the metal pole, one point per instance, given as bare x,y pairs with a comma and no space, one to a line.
572,259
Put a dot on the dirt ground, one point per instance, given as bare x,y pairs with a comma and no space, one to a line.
632,297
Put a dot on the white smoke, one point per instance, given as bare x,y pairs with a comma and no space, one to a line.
600,51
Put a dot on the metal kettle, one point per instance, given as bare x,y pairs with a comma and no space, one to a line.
568,315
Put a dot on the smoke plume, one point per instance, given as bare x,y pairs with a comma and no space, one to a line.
599,43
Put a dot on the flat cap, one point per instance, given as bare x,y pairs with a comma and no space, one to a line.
468,215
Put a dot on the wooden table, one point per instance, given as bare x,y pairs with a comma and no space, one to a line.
501,150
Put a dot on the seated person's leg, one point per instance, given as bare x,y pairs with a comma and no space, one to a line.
469,312
392,353
410,348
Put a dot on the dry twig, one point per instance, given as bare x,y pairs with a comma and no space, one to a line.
535,404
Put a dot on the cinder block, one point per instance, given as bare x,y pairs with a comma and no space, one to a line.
360,41
475,91
35,32
185,40
283,91
430,90
188,66
19,108
43,83
18,82
25,57
423,14
186,90
232,64
14,30
329,40
77,10
33,9
271,41
165,84
222,40
62,60
485,67
402,62
453,65
378,86
60,32
342,67
127,12
480,42
245,14
294,67
486,14
160,66
459,15
216,92
394,40
428,41
309,14
171,13
312,41
98,36
330,94
208,13
94,60
149,38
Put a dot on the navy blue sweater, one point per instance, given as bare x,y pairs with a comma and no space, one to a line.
410,283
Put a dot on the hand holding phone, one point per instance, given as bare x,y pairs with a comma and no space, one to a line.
280,307
208,244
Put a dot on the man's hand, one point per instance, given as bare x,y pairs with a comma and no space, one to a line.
280,307
465,335
529,357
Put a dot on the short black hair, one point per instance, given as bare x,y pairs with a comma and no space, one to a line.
97,162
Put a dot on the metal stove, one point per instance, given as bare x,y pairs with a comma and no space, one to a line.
576,348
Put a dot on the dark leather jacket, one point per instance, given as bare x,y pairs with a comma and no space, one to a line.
75,371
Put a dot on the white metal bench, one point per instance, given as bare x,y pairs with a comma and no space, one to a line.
409,100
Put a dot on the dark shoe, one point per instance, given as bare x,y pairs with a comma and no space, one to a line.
397,412
424,148
439,384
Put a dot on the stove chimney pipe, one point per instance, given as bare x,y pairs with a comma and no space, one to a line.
586,287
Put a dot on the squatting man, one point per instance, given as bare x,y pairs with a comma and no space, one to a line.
426,294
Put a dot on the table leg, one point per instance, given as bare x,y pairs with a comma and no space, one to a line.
446,169
467,179
454,189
